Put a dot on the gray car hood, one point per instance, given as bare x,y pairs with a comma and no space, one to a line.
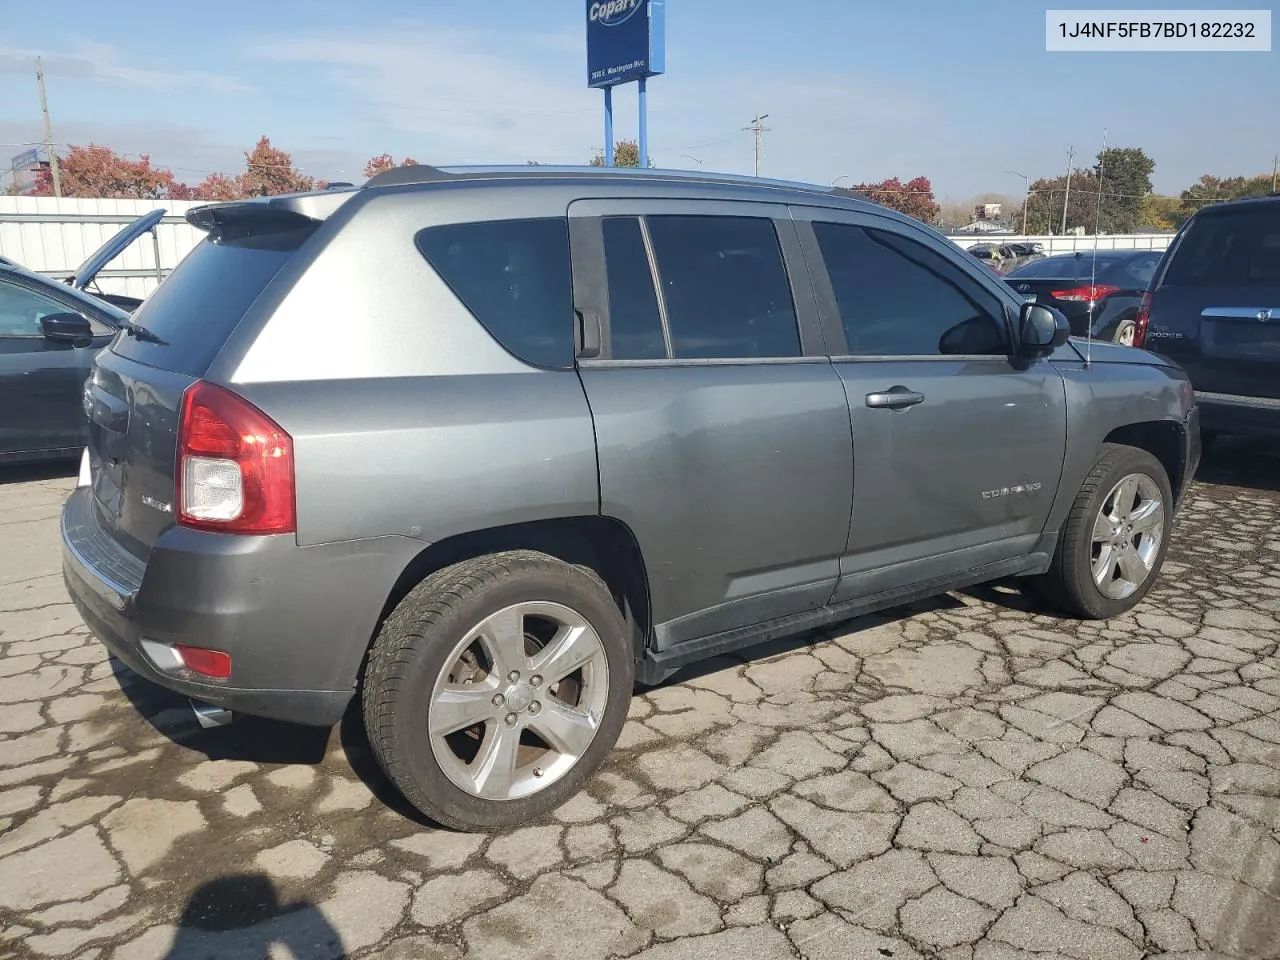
1107,351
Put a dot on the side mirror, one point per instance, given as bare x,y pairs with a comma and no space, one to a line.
1041,329
66,328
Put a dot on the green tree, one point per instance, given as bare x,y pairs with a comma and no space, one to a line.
1044,205
1159,213
1125,174
626,153
1211,189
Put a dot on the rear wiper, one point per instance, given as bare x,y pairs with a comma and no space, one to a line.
139,332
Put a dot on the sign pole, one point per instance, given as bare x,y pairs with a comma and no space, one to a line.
643,160
608,126
626,42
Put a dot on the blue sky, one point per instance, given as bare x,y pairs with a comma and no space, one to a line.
958,92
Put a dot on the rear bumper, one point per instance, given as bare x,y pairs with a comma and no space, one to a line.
1231,413
295,620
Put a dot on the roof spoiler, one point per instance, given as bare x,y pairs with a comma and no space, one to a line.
284,212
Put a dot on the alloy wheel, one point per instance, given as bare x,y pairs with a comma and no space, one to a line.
518,701
1126,536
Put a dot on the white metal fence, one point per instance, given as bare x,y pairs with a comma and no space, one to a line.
55,236
1072,243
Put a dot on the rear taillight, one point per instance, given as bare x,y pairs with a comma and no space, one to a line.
235,465
1091,291
1142,321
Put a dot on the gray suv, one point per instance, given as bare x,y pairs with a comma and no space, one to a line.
486,447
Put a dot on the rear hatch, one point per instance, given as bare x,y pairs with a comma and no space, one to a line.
134,396
1216,306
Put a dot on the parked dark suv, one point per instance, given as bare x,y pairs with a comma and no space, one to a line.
488,446
1214,307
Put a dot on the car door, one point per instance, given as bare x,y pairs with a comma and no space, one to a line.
721,427
41,381
958,447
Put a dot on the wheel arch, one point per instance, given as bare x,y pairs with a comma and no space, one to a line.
1163,439
604,544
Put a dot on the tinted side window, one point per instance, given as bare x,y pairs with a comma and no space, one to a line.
899,298
21,311
1235,249
635,325
725,287
514,276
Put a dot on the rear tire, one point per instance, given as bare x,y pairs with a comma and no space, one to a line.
1114,540
1125,331
465,704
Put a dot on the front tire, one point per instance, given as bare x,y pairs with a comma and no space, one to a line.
1115,537
497,687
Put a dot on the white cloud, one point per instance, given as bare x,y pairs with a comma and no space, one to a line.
461,96
101,63
464,96
191,153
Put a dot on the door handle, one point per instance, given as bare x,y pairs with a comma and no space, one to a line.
588,334
895,398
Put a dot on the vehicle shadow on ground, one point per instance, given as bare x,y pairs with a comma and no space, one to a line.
35,472
799,641
1241,462
246,738
355,746
258,740
241,916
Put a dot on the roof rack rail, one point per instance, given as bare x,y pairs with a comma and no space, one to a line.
422,173
413,173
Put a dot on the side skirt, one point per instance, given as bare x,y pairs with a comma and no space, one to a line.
657,666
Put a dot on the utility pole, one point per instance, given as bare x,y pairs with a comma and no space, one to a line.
758,128
1071,156
1275,168
48,132
1026,196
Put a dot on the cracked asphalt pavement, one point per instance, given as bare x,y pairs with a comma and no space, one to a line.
969,778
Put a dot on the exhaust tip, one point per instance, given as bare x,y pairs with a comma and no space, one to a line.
209,716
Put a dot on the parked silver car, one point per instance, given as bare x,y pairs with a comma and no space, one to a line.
487,446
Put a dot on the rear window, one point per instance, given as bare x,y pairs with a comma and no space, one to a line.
1059,268
1236,249
1133,272
514,276
198,306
